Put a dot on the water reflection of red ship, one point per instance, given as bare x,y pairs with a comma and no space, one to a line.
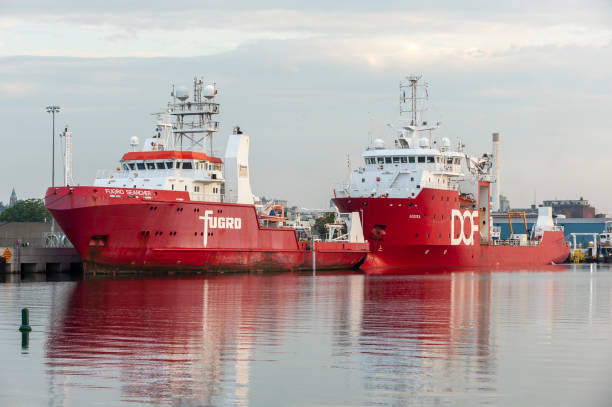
196,338
168,338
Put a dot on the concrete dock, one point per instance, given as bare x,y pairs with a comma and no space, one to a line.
38,260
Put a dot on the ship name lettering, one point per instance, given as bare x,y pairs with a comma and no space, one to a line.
472,217
138,192
119,191
218,222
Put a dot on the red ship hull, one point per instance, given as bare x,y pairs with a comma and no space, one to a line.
436,230
115,229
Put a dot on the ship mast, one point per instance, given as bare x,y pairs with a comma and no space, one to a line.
414,104
413,96
193,119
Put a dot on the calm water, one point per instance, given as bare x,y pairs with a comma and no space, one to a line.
506,338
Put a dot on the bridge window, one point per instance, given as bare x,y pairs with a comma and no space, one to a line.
169,164
457,161
178,164
411,159
449,160
404,160
381,160
396,160
387,160
421,159
187,165
131,165
160,166
140,166
430,159
150,166
125,167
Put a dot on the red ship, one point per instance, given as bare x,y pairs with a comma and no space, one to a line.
165,208
425,204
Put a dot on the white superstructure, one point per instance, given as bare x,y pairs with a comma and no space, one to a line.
416,160
179,156
237,168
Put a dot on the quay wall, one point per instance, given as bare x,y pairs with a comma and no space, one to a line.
39,260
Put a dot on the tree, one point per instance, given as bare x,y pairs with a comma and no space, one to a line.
320,223
29,210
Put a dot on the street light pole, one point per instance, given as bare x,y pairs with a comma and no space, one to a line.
53,109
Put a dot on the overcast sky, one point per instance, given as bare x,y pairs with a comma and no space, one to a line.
314,81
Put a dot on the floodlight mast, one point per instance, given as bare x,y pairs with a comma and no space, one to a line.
53,109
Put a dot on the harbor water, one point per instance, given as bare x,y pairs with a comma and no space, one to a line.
504,338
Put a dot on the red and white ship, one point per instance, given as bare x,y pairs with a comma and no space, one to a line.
173,206
423,203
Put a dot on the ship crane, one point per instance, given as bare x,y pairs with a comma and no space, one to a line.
480,167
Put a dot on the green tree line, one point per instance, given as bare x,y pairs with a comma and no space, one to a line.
29,210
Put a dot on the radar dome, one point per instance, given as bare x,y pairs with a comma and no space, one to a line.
379,143
210,91
134,141
445,142
182,93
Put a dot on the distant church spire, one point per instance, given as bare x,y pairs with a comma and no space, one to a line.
13,199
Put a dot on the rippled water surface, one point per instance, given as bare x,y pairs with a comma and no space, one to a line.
519,338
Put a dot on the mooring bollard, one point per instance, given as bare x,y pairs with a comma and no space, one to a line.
25,320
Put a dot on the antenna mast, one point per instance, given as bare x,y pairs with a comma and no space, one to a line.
414,104
194,118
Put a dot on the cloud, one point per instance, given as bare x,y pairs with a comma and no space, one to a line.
377,38
18,89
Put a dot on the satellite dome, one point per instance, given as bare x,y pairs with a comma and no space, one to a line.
134,141
424,142
379,144
182,93
445,142
210,91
